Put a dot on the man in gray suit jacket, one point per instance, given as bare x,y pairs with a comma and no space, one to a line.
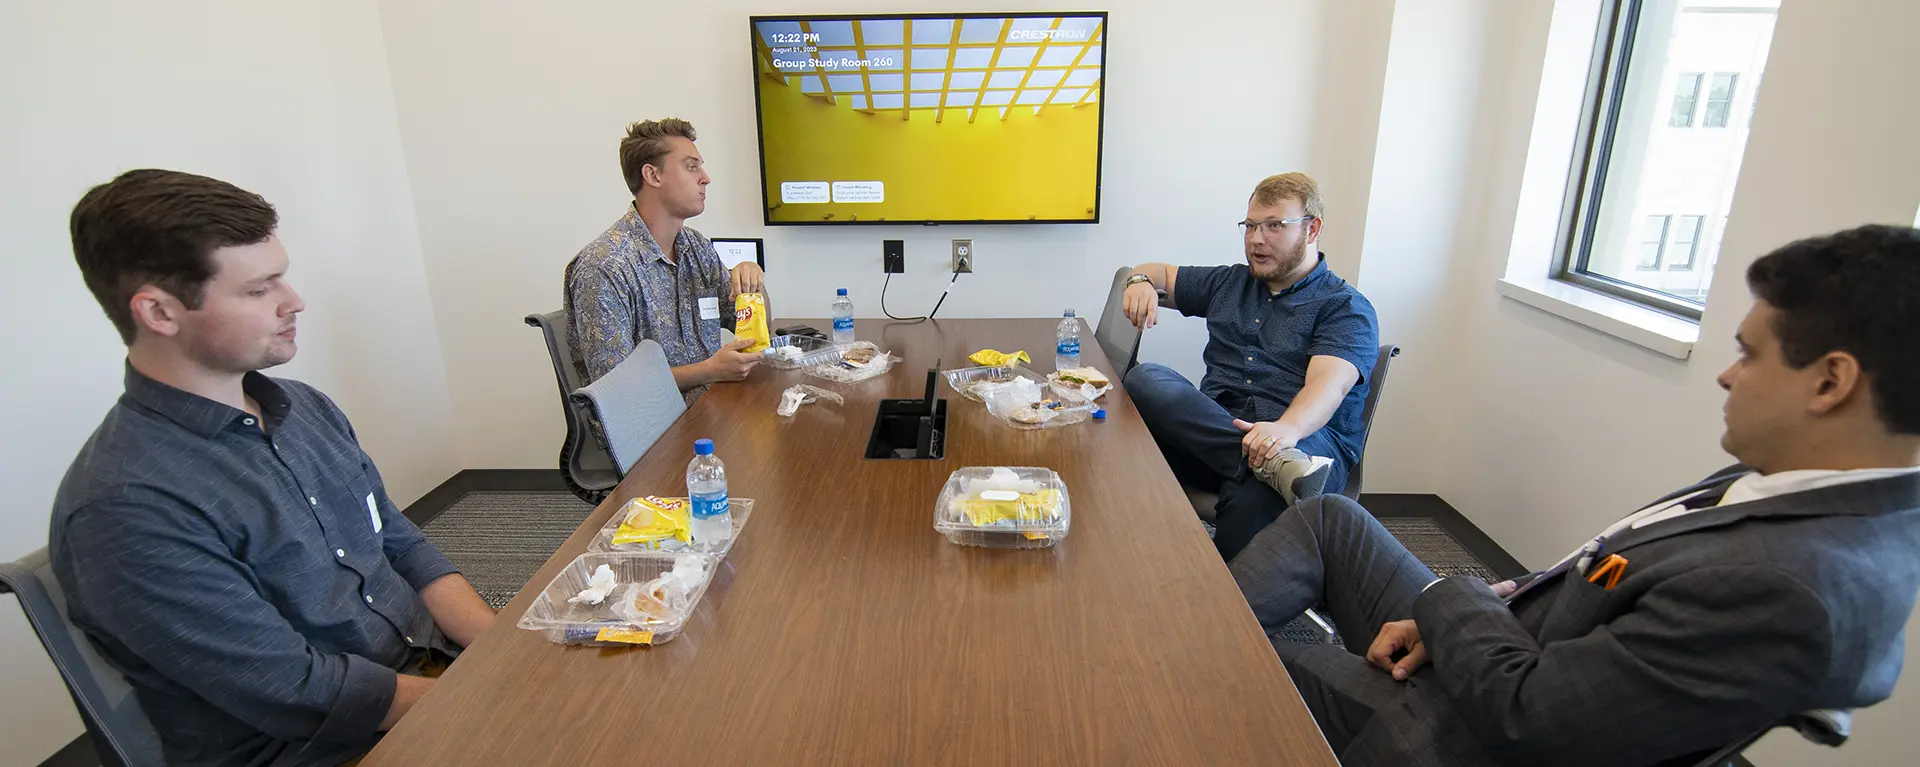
1772,588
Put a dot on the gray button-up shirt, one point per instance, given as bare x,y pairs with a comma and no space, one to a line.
249,575
621,288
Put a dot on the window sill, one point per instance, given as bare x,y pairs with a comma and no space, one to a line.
1628,321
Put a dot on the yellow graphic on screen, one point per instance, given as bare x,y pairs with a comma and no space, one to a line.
987,119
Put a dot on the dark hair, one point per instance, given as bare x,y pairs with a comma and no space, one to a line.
1856,291
159,228
646,143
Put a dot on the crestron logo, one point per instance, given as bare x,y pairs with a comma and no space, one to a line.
1046,34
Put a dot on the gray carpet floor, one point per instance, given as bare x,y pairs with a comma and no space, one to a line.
499,539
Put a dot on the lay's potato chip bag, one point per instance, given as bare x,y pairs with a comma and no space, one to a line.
652,522
750,320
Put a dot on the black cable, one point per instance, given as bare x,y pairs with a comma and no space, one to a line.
936,304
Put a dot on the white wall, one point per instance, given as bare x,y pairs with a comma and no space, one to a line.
1555,429
288,100
511,113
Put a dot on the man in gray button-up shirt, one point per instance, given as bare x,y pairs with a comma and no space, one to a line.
650,276
222,538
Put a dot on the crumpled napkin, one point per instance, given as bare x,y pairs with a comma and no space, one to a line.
598,587
801,394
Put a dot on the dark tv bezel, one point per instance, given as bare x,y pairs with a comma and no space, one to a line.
1100,140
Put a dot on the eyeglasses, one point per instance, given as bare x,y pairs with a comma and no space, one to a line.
1271,227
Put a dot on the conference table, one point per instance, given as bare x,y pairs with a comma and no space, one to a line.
843,629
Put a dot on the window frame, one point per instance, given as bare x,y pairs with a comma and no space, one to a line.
1593,145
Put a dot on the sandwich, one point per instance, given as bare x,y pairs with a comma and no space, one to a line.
1078,376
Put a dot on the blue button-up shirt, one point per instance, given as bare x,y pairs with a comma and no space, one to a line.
250,576
1259,342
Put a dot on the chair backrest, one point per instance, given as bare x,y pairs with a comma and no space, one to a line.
1826,727
585,465
635,403
1115,334
1376,383
121,732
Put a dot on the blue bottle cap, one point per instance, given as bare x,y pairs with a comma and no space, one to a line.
841,291
703,447
1100,415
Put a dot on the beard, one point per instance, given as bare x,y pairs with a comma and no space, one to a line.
1282,264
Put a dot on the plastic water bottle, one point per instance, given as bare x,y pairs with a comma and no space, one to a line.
1066,351
707,488
843,318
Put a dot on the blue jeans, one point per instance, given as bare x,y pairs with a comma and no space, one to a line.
1200,442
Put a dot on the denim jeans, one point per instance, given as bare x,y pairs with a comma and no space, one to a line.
1200,442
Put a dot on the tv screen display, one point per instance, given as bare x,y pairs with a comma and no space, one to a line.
923,118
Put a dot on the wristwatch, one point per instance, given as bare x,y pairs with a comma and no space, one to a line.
1137,278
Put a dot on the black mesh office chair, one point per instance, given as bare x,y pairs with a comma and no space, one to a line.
119,728
584,464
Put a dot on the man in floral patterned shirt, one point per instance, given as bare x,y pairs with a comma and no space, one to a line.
624,287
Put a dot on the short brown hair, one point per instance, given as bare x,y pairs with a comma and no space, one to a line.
1290,186
646,143
160,228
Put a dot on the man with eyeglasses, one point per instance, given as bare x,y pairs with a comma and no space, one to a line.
1288,350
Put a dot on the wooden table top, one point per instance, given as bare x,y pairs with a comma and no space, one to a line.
842,629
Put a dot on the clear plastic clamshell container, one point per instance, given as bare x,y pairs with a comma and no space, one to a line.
1008,507
858,361
967,382
611,623
806,351
739,509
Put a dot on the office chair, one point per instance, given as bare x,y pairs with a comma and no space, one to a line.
634,403
584,464
1117,336
120,730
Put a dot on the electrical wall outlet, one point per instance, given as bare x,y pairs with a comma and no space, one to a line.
963,256
893,256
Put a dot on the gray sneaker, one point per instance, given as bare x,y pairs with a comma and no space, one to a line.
1295,475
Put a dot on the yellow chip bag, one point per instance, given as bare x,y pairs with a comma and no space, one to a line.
651,521
750,320
1022,508
991,358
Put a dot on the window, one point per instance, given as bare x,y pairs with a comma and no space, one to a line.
1653,240
1686,239
1659,65
1719,101
1686,93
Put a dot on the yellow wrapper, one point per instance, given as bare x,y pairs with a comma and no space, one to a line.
750,320
651,521
991,358
1043,506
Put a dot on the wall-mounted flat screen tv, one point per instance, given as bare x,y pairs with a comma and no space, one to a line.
930,119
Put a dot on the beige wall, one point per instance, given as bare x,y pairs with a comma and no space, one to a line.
288,100
427,215
1553,430
511,113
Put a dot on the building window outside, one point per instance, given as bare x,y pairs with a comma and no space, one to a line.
1634,219
1685,242
1686,93
1719,100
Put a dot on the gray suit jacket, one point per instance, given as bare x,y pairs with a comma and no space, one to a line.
1726,621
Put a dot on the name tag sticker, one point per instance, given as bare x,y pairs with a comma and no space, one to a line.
710,308
373,512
